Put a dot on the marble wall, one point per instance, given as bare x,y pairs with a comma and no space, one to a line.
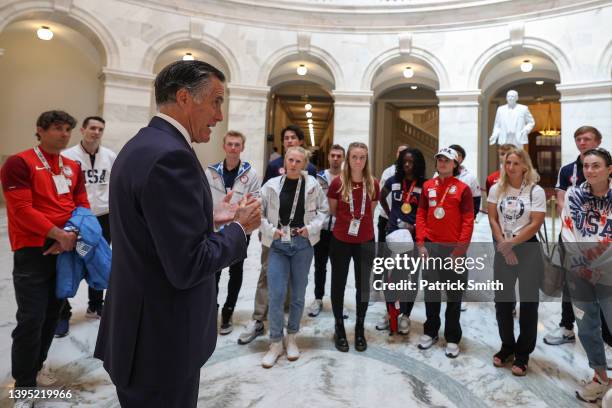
133,34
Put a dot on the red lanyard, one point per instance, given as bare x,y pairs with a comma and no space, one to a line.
406,197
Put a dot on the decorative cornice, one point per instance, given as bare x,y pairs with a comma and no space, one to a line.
248,92
585,91
459,98
384,17
352,98
127,79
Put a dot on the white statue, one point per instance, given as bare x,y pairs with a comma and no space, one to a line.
513,122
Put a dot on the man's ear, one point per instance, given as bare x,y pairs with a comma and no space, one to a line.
182,97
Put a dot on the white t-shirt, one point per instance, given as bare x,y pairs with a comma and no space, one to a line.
514,207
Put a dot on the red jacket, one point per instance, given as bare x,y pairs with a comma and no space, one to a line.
32,203
458,222
492,179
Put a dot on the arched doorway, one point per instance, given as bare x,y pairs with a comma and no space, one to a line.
303,98
212,151
39,75
536,89
405,110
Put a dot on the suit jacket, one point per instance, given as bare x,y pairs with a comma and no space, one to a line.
512,125
159,321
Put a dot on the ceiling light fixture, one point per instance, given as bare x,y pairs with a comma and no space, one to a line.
44,33
310,121
188,57
408,72
539,82
309,114
312,139
308,106
413,87
302,70
526,66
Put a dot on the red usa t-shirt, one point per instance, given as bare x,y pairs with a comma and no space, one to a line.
343,212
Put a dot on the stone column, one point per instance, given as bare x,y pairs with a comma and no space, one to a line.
584,104
126,105
459,118
352,118
247,113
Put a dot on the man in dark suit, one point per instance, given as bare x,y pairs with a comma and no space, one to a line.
159,323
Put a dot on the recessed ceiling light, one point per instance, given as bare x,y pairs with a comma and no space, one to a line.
310,121
413,87
408,72
526,66
308,106
302,70
44,33
309,114
539,82
188,57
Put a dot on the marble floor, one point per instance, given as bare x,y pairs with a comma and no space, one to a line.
391,373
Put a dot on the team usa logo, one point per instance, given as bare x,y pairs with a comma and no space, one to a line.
589,216
512,208
453,189
67,171
244,179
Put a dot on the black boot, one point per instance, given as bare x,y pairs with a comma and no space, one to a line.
360,342
340,340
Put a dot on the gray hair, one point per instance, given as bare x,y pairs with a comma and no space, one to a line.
194,76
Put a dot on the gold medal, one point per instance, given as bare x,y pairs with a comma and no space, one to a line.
406,208
439,213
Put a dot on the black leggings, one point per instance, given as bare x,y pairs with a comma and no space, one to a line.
234,284
528,272
340,255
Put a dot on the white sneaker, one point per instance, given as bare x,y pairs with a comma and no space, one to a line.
593,391
560,336
383,323
315,308
426,342
254,328
45,378
403,324
269,359
452,350
24,403
606,401
293,352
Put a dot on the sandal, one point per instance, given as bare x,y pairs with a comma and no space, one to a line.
502,357
519,368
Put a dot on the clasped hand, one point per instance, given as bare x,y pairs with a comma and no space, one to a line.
247,212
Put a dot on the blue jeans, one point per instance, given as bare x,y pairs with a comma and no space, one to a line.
289,263
589,301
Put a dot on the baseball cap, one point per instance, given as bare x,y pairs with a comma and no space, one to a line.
447,152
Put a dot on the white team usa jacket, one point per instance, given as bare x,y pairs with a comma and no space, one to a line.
246,182
97,178
316,208
586,231
325,178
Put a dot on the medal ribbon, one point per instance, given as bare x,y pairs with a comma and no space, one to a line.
406,198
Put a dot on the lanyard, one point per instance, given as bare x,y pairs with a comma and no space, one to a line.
574,176
45,163
363,202
295,198
406,198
